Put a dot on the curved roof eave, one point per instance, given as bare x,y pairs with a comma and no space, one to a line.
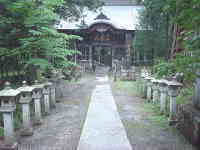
103,22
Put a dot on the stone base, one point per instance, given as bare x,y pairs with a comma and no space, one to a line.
189,123
53,106
47,113
58,100
172,122
9,147
26,132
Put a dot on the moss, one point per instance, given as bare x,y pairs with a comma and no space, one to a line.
130,87
155,117
1,132
18,117
152,111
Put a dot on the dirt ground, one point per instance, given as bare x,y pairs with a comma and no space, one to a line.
145,130
62,128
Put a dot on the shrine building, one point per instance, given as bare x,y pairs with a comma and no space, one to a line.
107,34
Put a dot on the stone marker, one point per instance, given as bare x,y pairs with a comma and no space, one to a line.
8,106
173,87
163,95
37,97
25,100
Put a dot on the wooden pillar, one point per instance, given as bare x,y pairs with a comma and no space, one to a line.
128,49
113,56
90,56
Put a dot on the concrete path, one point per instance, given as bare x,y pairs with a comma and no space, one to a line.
103,129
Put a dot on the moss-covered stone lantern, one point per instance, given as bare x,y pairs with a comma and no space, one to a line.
8,99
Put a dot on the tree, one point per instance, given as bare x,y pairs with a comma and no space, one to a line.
28,35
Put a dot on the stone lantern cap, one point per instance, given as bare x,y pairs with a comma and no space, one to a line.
38,86
25,88
174,84
8,92
149,78
48,84
163,82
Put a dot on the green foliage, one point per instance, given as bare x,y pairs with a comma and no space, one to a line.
73,9
159,38
156,117
152,39
18,117
164,68
185,95
28,34
1,132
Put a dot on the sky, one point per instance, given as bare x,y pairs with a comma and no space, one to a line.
122,17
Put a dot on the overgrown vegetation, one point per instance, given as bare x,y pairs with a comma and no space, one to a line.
170,29
28,37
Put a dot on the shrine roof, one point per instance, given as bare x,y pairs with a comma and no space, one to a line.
121,17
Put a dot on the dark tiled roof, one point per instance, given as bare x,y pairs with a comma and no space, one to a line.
101,16
120,2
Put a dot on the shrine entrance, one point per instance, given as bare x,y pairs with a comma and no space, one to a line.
102,55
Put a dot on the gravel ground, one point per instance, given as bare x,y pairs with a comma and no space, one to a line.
141,131
61,130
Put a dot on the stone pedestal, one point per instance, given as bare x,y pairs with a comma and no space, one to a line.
163,95
145,87
9,133
8,106
53,96
155,88
149,89
25,100
173,93
46,93
27,125
37,96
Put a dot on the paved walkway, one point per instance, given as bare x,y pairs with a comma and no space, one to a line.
103,129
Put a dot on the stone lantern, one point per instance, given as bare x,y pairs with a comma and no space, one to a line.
46,93
25,100
145,86
8,98
196,99
53,96
142,82
173,90
149,88
37,97
155,88
163,95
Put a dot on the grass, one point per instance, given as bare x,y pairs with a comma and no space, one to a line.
131,87
152,110
155,117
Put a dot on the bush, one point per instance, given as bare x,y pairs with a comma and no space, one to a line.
164,68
